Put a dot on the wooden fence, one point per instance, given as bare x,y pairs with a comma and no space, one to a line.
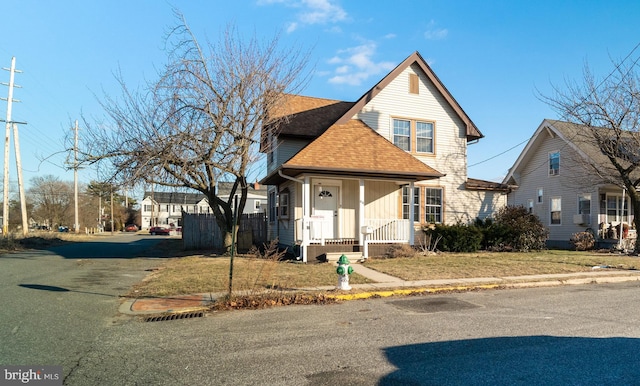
200,231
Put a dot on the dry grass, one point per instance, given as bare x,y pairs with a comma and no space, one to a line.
498,264
201,274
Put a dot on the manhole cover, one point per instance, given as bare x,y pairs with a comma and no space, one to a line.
429,305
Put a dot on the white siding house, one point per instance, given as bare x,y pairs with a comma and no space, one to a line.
165,208
387,163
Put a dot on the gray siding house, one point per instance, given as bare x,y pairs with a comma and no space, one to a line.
553,177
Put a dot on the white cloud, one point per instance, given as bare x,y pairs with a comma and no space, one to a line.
435,33
390,36
355,65
312,12
292,27
322,12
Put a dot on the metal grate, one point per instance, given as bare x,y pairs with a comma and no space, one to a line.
175,316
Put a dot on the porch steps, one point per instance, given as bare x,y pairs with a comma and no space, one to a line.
354,257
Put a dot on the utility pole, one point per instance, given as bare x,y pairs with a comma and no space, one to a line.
23,201
7,140
76,224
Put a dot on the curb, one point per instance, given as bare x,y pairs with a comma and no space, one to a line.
182,304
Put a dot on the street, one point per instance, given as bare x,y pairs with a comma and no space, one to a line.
63,311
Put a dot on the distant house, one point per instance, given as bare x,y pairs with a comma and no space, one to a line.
551,180
165,208
342,173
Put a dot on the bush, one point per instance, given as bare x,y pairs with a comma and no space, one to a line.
583,241
526,231
456,238
495,236
400,250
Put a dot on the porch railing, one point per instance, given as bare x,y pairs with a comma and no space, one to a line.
388,230
383,230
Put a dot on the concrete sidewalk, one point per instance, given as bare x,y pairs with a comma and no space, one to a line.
386,285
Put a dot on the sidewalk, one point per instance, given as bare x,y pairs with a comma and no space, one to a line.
386,285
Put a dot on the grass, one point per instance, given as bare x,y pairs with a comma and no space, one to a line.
498,264
202,274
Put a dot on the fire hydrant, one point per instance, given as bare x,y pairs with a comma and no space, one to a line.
344,270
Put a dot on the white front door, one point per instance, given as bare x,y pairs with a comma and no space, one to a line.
325,207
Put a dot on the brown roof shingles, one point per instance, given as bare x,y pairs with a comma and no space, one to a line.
356,149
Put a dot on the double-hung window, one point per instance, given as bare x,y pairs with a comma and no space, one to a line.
424,137
433,205
556,211
406,203
402,134
413,135
554,163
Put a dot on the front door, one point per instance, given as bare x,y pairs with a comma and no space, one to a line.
325,207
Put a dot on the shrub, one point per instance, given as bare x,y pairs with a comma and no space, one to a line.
495,236
583,241
400,250
526,230
456,238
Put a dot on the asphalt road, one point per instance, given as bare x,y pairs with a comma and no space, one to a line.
571,335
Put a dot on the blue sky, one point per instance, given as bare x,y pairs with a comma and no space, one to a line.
493,56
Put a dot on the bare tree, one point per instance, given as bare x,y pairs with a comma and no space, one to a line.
200,122
607,112
52,200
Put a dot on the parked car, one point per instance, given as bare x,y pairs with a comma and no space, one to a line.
131,228
159,231
63,228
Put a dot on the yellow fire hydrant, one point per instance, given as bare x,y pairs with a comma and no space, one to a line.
344,270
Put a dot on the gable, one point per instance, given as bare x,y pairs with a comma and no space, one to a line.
415,59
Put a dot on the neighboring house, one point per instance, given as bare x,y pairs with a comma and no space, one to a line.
553,180
165,208
374,170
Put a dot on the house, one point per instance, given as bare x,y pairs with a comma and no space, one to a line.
554,179
346,176
165,208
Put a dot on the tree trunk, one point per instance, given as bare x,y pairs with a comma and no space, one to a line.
636,223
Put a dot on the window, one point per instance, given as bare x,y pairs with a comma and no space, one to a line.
530,205
615,210
283,205
424,137
540,195
584,204
554,163
414,84
556,211
402,134
256,204
433,205
416,203
272,206
147,208
412,134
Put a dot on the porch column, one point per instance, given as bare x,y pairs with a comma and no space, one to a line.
306,210
411,214
361,213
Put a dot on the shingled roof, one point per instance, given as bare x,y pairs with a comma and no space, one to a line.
372,156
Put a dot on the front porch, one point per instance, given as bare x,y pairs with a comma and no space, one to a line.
343,215
377,235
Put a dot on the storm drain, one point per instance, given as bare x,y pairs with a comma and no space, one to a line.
176,316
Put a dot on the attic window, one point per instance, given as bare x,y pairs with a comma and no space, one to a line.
413,84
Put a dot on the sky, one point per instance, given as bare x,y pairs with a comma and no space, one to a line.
495,57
